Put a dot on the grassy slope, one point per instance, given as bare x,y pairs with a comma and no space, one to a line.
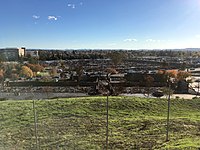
79,123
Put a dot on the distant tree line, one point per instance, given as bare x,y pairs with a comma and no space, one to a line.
63,55
103,54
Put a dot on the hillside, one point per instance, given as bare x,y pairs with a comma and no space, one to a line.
80,123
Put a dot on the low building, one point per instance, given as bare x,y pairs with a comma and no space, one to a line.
32,53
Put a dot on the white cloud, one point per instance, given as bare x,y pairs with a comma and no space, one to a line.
151,40
130,40
72,5
36,17
52,18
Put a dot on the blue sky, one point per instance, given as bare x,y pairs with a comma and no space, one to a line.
100,24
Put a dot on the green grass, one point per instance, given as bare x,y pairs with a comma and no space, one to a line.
79,123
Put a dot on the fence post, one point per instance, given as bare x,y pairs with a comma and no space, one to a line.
35,125
107,122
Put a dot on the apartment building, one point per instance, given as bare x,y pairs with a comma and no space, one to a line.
12,54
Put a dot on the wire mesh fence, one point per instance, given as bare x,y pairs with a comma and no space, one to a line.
80,124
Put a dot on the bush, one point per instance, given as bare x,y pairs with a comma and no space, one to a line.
195,97
3,99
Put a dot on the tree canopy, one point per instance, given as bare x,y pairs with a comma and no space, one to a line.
26,72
